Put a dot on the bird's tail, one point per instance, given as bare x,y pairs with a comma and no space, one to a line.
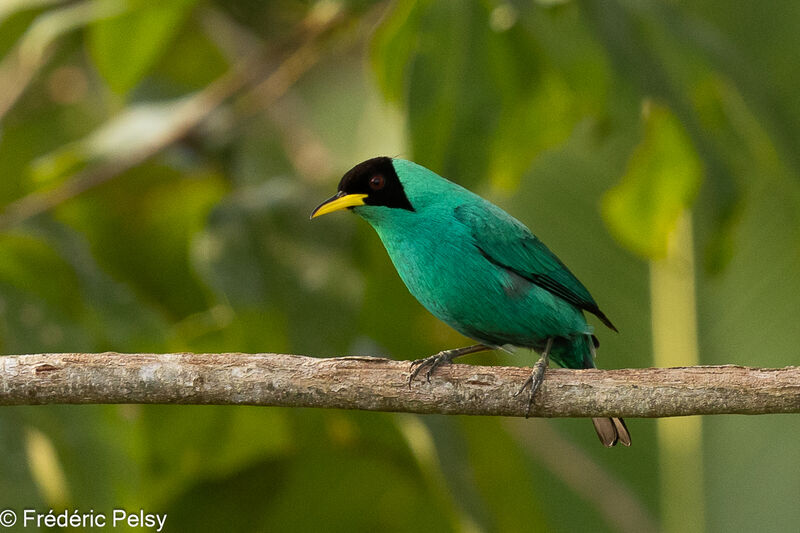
581,355
611,431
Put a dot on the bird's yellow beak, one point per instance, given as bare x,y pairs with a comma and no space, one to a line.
337,202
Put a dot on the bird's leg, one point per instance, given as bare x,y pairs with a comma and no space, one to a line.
443,357
537,376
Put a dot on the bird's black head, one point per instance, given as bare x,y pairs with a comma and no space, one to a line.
378,179
372,182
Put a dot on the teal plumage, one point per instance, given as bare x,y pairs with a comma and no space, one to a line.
463,234
474,266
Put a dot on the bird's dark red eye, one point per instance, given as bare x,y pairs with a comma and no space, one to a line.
377,182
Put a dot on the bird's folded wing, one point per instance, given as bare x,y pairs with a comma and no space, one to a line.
507,243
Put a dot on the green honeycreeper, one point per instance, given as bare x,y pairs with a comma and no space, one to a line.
476,268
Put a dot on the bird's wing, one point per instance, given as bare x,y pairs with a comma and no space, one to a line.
507,243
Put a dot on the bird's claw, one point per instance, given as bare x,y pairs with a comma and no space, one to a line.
535,381
432,362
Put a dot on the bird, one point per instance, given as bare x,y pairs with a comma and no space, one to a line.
477,269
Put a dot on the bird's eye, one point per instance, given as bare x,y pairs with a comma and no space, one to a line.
377,182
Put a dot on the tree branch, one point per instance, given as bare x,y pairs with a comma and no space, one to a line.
377,384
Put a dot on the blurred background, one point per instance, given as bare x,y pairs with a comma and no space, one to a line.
158,163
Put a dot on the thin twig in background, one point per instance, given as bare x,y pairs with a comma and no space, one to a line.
377,384
191,113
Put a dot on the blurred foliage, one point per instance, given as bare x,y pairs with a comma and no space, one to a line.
596,123
123,48
661,180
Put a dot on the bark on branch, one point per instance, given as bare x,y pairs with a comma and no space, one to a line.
382,385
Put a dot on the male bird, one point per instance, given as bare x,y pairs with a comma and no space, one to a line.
476,268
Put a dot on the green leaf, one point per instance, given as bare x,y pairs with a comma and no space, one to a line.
551,76
452,102
487,89
190,443
124,47
393,46
661,181
163,202
55,297
434,58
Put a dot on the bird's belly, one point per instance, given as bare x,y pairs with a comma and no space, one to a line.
482,300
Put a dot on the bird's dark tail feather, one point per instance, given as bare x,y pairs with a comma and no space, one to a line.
611,431
578,352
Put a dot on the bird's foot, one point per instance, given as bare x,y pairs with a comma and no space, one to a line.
536,378
534,381
431,363
439,359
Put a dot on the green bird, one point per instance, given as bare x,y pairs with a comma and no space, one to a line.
476,268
